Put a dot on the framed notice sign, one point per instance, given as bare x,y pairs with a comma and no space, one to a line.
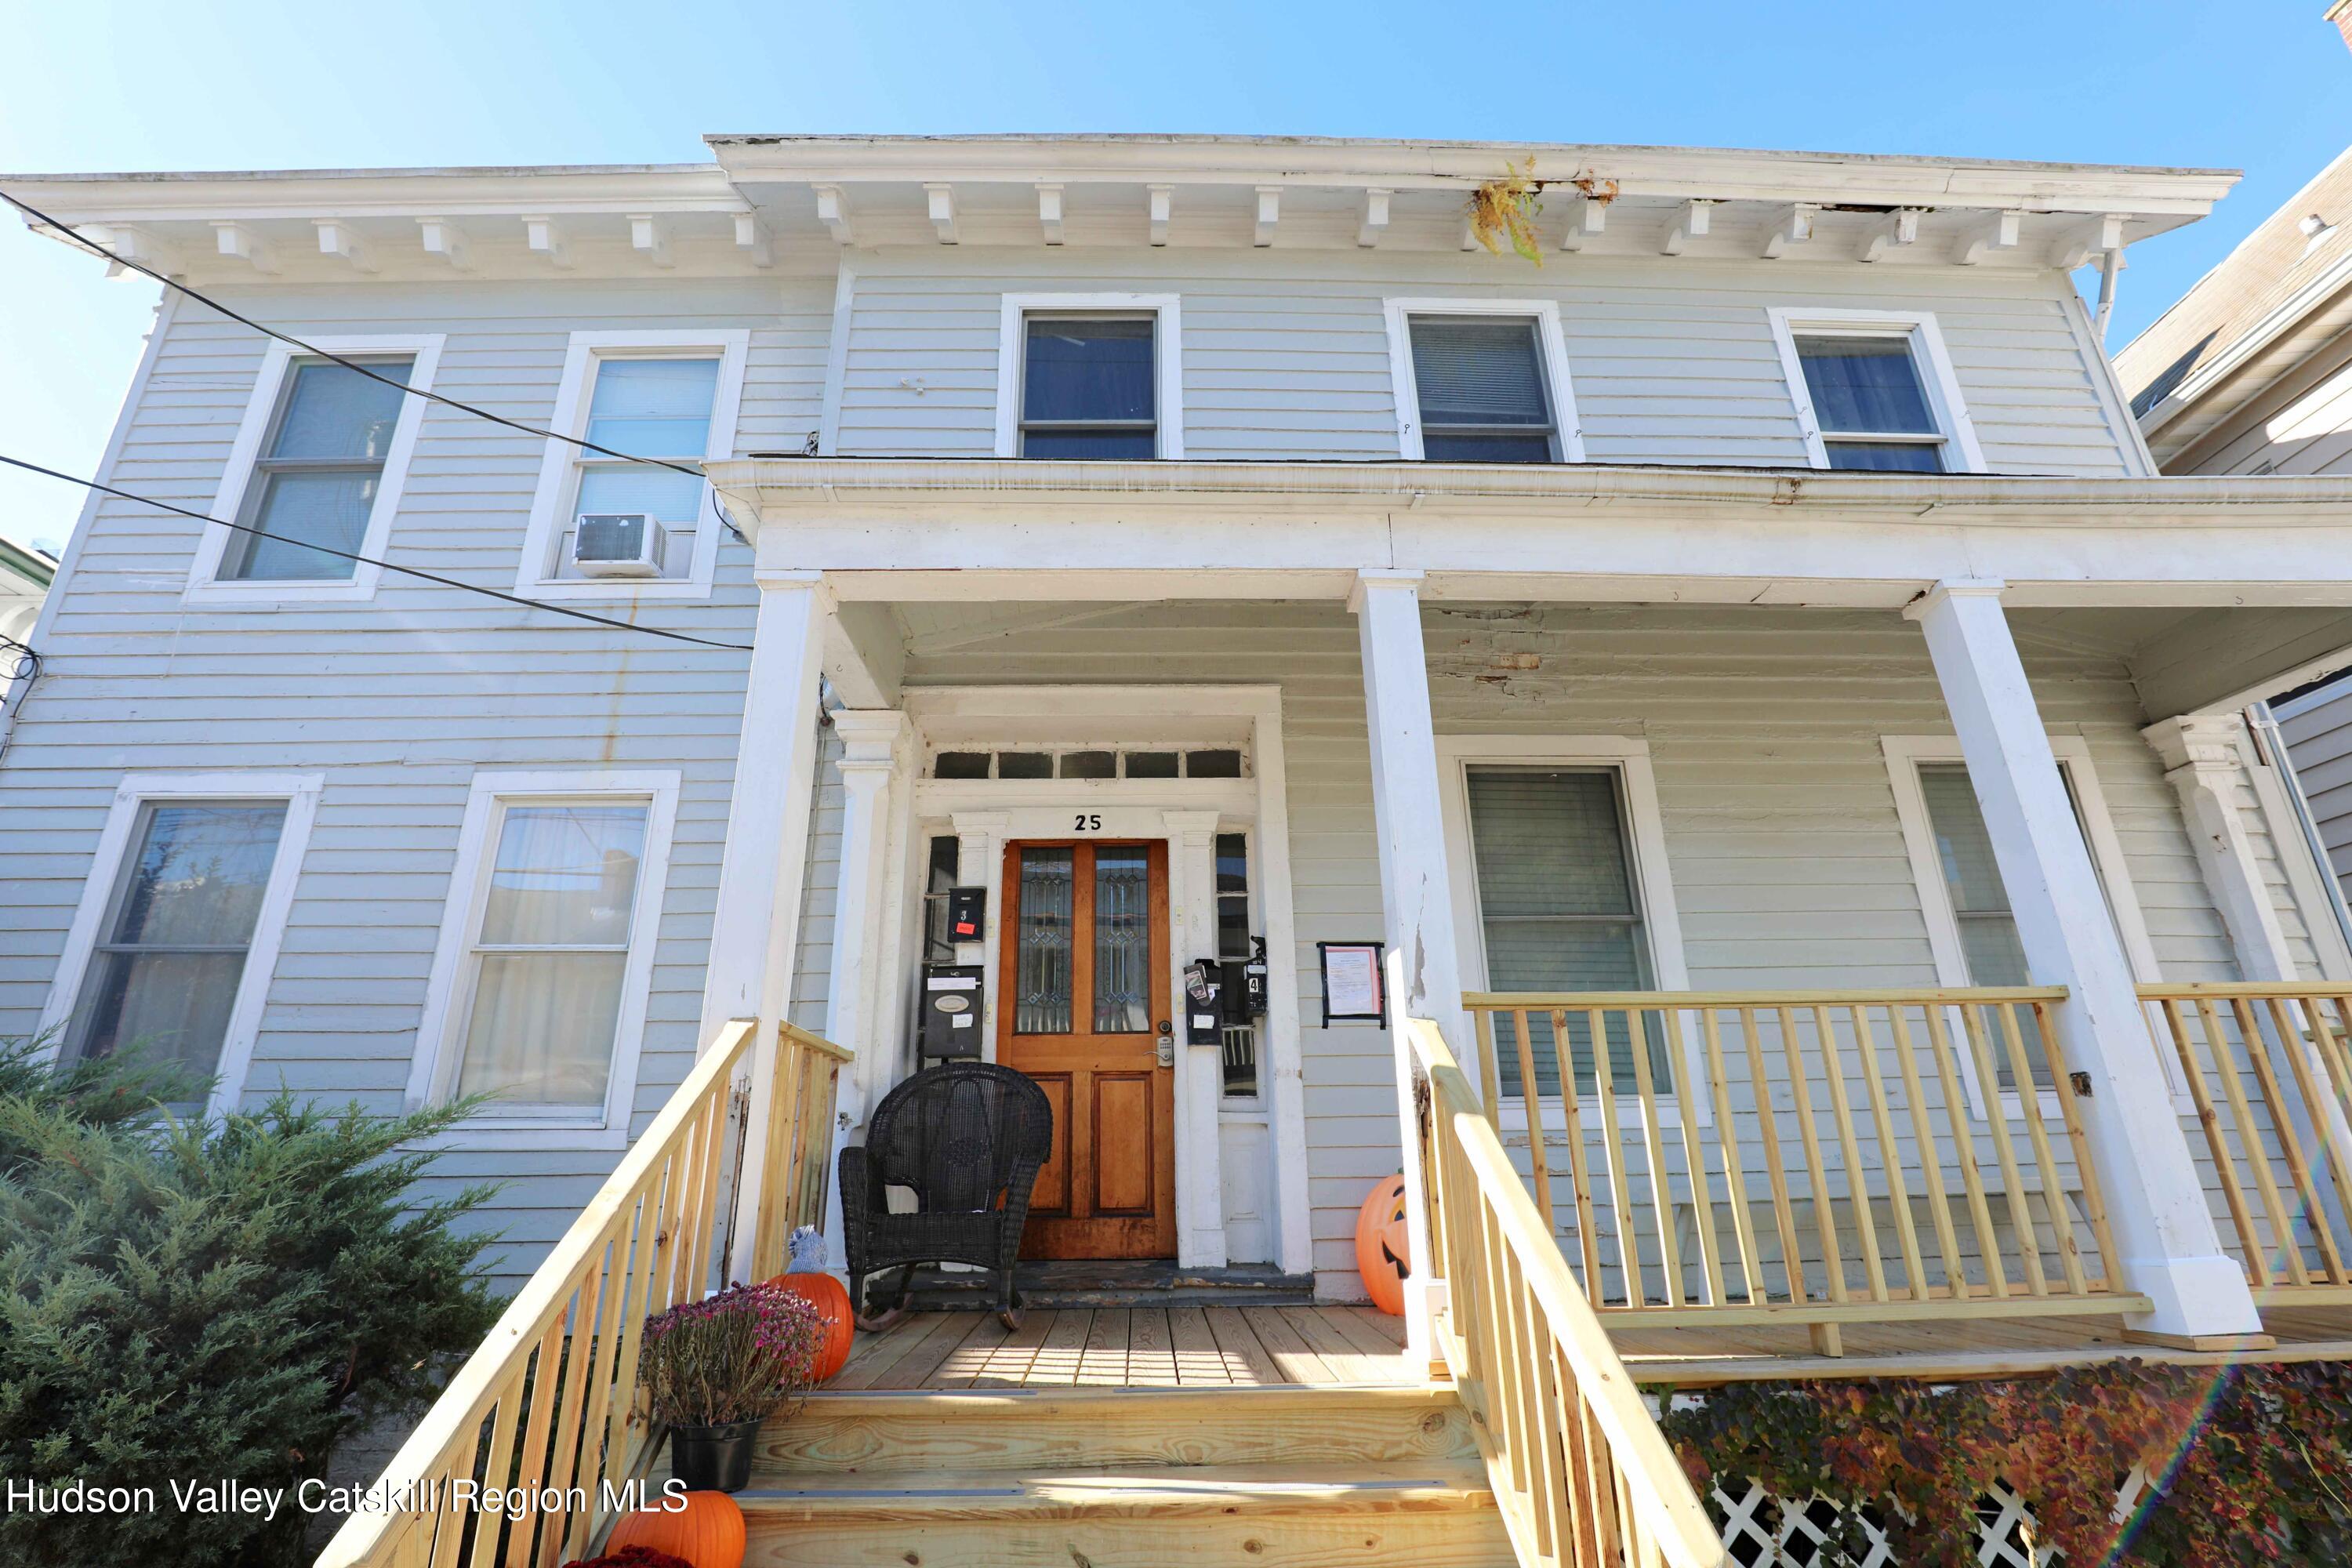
1352,988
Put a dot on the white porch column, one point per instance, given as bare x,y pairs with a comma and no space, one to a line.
2199,752
854,1011
2170,1251
1423,977
755,922
1200,1072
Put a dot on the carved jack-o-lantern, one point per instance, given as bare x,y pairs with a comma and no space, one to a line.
1382,1254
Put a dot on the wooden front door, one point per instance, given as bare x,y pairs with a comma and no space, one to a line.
1083,974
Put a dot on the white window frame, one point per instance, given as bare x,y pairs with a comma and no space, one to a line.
1962,454
1904,755
560,468
1167,359
205,585
1569,430
298,792
1628,758
448,997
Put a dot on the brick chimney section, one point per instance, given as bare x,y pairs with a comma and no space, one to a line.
2340,13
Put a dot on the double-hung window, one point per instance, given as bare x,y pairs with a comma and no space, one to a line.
178,931
670,397
1972,928
315,474
1481,382
1559,907
541,978
1090,376
1875,393
1086,387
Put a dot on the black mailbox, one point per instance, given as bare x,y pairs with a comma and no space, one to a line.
950,1015
967,914
1203,1003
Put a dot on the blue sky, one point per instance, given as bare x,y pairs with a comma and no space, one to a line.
2260,85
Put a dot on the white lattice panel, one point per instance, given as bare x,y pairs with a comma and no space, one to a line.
1763,1532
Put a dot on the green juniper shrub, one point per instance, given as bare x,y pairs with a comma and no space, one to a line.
218,1298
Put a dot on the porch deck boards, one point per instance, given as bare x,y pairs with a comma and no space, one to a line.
1132,1347
1968,1348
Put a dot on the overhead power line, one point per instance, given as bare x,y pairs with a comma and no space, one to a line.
372,561
39,216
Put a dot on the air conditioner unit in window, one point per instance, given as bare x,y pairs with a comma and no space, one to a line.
617,544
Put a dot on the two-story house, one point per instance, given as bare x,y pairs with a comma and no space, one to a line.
1740,687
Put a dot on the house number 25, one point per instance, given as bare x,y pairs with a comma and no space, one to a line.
1089,822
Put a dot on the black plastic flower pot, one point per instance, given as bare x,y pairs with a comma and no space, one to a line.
714,1459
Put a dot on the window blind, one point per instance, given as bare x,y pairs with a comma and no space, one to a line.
1481,388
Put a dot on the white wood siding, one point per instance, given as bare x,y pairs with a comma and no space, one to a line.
400,700
2319,741
1286,355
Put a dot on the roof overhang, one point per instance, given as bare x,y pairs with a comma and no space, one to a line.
767,197
998,527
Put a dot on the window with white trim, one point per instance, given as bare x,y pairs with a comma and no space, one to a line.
1559,907
1087,385
172,947
1875,393
1971,925
178,930
1480,383
670,397
546,950
321,467
315,472
1870,403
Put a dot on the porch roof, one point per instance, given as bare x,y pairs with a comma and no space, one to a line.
1020,528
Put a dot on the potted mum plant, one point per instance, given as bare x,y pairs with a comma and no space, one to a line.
713,1370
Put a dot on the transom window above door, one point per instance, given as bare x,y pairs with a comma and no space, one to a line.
1094,762
1086,387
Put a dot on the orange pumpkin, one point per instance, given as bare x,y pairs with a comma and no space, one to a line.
708,1532
1383,1256
830,1299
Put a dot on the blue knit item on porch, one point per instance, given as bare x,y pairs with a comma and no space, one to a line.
807,1247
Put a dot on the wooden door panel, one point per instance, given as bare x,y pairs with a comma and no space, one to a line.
1081,1015
1051,1197
1124,1143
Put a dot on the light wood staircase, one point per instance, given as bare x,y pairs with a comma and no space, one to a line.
1088,1478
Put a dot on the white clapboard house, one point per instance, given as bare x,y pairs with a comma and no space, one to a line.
1729,742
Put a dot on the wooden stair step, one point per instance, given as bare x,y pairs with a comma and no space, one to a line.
997,1430
1414,1514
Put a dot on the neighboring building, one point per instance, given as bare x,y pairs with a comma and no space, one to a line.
25,573
1200,539
2251,373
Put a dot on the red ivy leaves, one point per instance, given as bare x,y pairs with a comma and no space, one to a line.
2251,1464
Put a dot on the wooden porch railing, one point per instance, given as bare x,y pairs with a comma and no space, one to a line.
653,1235
2280,1055
1581,1472
1811,1157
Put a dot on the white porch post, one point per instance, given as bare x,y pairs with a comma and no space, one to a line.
755,922
1423,977
2170,1251
1192,933
869,761
2199,752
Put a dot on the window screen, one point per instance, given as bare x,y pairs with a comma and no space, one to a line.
317,479
1087,388
1558,908
1870,404
167,971
1481,385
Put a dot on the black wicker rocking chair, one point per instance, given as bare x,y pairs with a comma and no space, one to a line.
968,1138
